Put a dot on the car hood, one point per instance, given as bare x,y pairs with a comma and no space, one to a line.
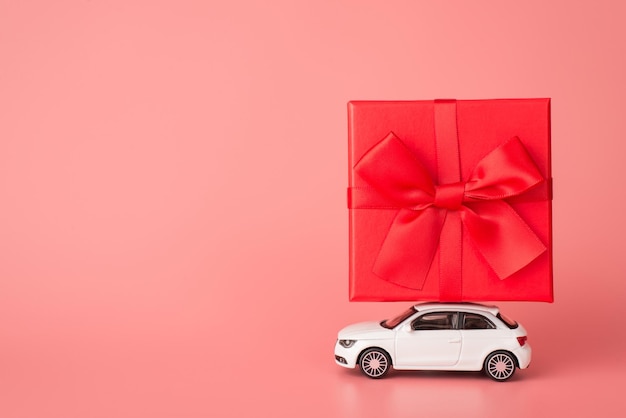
369,330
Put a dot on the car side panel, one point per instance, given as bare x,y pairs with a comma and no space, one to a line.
417,349
479,343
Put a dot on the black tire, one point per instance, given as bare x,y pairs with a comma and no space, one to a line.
375,363
500,366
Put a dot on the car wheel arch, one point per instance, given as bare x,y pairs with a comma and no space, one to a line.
515,359
358,359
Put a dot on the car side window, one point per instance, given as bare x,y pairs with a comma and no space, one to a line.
475,321
435,321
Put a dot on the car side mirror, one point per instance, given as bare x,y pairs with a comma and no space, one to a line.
407,328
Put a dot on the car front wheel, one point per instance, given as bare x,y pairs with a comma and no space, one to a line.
500,366
375,363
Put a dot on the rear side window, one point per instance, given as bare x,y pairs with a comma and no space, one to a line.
474,321
508,321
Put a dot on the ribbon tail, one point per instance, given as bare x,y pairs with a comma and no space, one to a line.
409,249
503,238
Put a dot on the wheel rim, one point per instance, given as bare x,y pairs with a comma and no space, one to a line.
501,366
374,363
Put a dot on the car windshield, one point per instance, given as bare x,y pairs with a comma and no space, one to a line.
393,322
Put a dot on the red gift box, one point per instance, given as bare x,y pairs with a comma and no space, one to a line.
450,200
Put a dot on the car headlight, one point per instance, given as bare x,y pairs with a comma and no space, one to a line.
346,343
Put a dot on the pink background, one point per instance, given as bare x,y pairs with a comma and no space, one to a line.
173,222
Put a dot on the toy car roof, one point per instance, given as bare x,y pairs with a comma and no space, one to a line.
460,306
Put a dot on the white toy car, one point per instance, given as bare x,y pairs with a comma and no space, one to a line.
437,336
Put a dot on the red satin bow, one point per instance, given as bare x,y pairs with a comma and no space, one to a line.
503,238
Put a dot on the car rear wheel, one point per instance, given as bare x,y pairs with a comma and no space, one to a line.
500,366
375,363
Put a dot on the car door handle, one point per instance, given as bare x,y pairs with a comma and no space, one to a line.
454,340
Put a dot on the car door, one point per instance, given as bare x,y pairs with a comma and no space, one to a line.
431,339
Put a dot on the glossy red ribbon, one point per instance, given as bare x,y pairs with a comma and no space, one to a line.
400,181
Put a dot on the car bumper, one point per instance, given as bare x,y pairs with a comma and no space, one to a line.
346,357
523,355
